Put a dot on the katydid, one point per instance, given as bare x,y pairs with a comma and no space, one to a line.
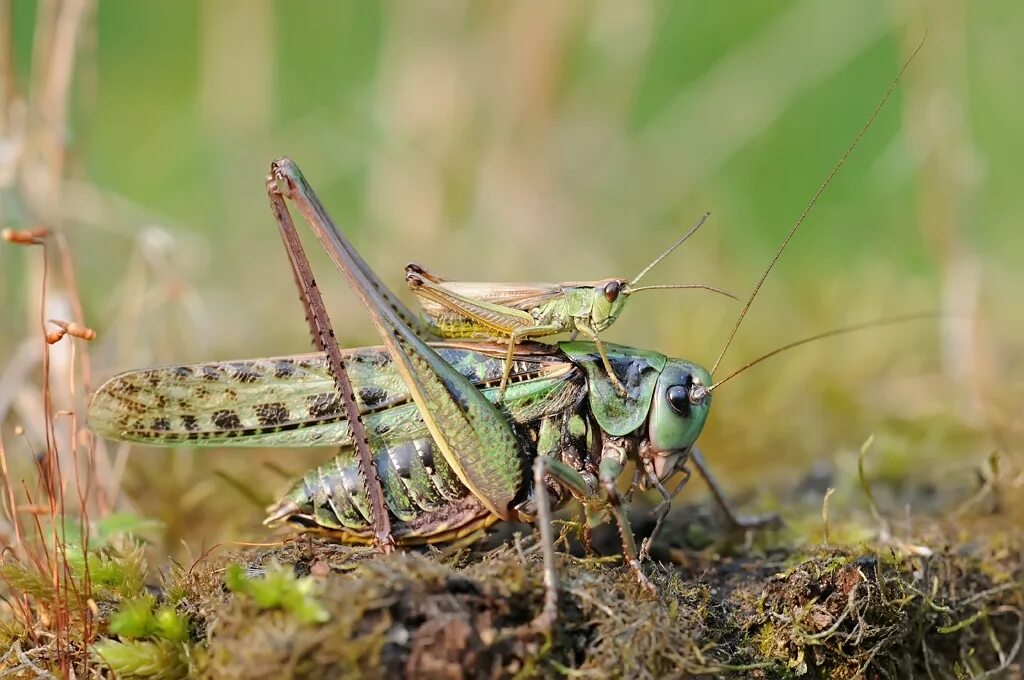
422,439
513,312
446,460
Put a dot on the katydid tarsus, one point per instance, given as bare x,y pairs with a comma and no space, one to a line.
513,312
423,441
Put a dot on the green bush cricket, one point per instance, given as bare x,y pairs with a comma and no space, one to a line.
423,443
446,460
514,312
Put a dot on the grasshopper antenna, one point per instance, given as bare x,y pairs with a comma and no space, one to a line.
672,247
630,291
814,199
876,323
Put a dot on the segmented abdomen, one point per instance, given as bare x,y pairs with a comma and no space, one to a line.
426,500
424,497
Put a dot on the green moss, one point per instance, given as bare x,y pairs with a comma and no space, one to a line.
162,659
278,588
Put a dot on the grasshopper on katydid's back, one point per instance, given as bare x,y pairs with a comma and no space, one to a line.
427,455
513,312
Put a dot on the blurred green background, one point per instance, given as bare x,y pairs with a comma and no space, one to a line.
546,141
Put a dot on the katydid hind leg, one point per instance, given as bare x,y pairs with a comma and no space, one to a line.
324,340
735,520
474,436
296,187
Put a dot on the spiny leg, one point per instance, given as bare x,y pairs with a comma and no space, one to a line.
738,522
474,436
660,511
325,341
337,245
613,457
544,466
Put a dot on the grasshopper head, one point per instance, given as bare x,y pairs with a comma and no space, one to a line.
609,297
679,408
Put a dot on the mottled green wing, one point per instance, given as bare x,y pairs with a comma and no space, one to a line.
283,401
292,401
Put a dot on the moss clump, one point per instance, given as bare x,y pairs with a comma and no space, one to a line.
946,604
845,613
840,612
279,588
387,615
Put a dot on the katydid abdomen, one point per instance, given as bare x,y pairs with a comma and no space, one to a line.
425,498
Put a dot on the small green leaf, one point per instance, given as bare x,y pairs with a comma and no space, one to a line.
136,619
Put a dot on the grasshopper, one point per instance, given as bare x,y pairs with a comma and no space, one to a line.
514,312
427,455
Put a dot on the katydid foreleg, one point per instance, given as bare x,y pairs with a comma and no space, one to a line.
585,488
613,461
660,511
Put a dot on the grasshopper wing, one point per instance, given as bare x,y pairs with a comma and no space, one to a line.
523,296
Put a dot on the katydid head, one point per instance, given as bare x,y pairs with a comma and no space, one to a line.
679,409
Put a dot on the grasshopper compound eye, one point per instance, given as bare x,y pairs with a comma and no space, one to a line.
612,290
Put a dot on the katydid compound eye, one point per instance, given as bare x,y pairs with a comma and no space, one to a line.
612,290
679,400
